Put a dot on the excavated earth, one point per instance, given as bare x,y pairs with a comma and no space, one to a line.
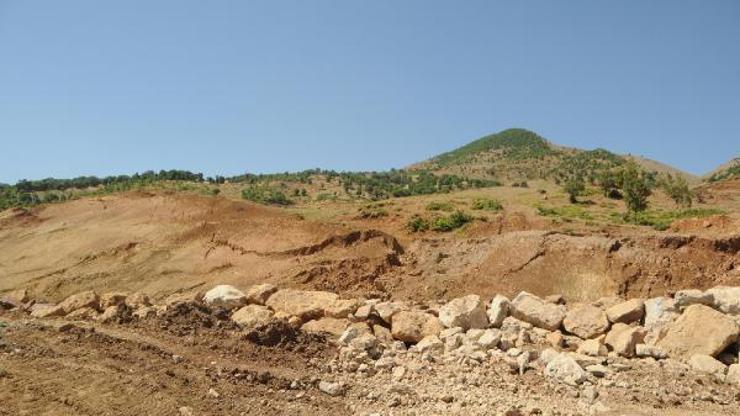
195,361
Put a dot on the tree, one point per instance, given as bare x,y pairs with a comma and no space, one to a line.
610,183
574,187
636,186
678,190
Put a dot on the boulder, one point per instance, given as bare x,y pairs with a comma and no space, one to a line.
530,308
144,312
252,316
87,299
466,312
137,300
688,297
112,299
555,339
258,294
112,313
489,339
342,308
644,350
305,304
363,312
386,310
430,343
592,348
733,375
726,299
225,296
333,326
699,330
622,339
659,313
84,314
16,297
707,364
413,326
45,310
565,369
586,321
498,310
626,312
383,334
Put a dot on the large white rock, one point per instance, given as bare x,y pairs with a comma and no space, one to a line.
258,294
726,299
225,296
305,304
530,308
690,297
466,312
699,330
334,326
586,321
626,312
565,369
622,339
252,316
733,374
87,299
413,326
498,310
707,364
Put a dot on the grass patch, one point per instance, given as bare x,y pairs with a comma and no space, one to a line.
442,223
661,220
487,204
566,213
372,211
440,206
265,195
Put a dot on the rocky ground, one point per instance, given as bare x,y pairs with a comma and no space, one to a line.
271,351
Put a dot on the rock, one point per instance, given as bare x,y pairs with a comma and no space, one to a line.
85,314
498,310
258,294
557,299
626,312
45,310
547,355
342,308
334,326
386,310
112,313
489,339
87,299
733,374
112,299
644,350
607,302
305,304
529,308
383,334
413,326
144,312
598,370
688,297
466,312
448,332
726,299
622,339
586,321
137,300
252,316
593,348
363,312
659,313
185,411
16,297
332,389
213,393
707,364
565,369
555,339
699,330
349,334
225,296
430,343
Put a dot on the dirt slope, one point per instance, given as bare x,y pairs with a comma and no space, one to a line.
162,243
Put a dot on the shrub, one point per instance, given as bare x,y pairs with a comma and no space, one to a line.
636,185
678,190
455,220
487,204
265,195
440,206
417,223
574,187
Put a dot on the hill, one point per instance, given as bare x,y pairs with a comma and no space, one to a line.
728,170
518,154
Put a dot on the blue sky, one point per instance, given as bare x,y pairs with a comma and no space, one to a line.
91,87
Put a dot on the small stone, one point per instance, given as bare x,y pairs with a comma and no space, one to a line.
332,389
498,310
185,411
707,364
644,350
213,393
565,369
258,294
626,312
593,348
225,296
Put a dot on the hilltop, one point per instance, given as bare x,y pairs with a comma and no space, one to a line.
518,155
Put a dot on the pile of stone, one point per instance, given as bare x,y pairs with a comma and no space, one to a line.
570,343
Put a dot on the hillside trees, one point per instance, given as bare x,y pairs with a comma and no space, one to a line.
678,190
637,187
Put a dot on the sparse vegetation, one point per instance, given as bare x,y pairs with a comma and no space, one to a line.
440,206
637,187
678,190
661,220
574,187
263,194
487,204
417,224
372,211
451,222
566,213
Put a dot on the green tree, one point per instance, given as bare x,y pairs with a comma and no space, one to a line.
574,187
636,186
678,190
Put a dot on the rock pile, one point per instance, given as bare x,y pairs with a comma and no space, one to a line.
570,344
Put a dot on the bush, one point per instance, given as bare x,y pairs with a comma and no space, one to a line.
440,206
372,212
265,195
636,185
455,220
487,204
574,187
417,224
678,190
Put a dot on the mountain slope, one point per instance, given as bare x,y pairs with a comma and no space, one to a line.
518,154
727,170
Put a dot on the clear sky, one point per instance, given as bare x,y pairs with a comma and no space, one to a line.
110,87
